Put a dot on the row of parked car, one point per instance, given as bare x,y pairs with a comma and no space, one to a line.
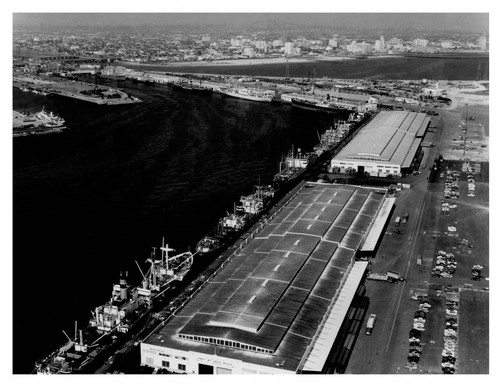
450,337
416,334
451,185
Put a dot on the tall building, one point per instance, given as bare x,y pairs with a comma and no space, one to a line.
421,42
277,43
382,43
261,45
333,43
482,43
289,49
378,45
362,48
236,42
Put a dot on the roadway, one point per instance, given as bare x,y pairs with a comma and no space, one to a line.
387,347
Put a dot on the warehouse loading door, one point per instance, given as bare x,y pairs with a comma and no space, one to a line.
361,169
205,369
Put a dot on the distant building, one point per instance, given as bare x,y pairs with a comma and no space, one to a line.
421,42
236,42
378,45
277,43
205,39
447,44
382,42
433,91
482,43
289,49
359,48
248,51
261,45
333,43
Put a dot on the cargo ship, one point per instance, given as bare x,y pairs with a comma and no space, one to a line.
109,322
252,94
163,272
291,166
332,136
37,124
190,87
113,73
330,105
126,310
254,203
233,223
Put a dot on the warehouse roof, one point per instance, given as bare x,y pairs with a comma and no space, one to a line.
391,137
274,293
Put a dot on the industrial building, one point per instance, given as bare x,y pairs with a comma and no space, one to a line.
280,301
387,145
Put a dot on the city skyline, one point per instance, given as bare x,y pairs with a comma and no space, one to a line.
464,22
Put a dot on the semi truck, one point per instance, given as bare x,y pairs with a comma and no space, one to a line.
397,221
389,277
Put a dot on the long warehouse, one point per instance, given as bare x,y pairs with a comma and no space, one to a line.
280,300
388,145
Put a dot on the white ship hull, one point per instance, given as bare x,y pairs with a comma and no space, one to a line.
263,98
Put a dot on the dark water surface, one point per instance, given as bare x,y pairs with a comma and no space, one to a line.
91,200
400,68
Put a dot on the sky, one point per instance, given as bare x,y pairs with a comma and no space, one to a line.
467,22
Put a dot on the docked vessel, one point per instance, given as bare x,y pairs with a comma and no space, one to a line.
291,166
142,79
124,311
288,97
328,105
254,203
118,313
37,124
163,272
209,244
252,94
332,136
233,222
191,87
113,73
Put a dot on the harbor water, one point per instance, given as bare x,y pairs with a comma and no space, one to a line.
398,68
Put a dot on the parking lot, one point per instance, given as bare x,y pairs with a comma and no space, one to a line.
455,238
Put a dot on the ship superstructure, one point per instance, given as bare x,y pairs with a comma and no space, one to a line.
291,166
163,271
125,301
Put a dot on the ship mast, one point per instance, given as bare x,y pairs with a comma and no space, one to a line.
165,249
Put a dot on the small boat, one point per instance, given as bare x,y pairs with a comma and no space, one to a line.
208,244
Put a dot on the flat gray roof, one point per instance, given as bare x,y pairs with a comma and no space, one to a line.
391,137
274,293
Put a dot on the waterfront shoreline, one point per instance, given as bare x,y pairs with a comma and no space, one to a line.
292,60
